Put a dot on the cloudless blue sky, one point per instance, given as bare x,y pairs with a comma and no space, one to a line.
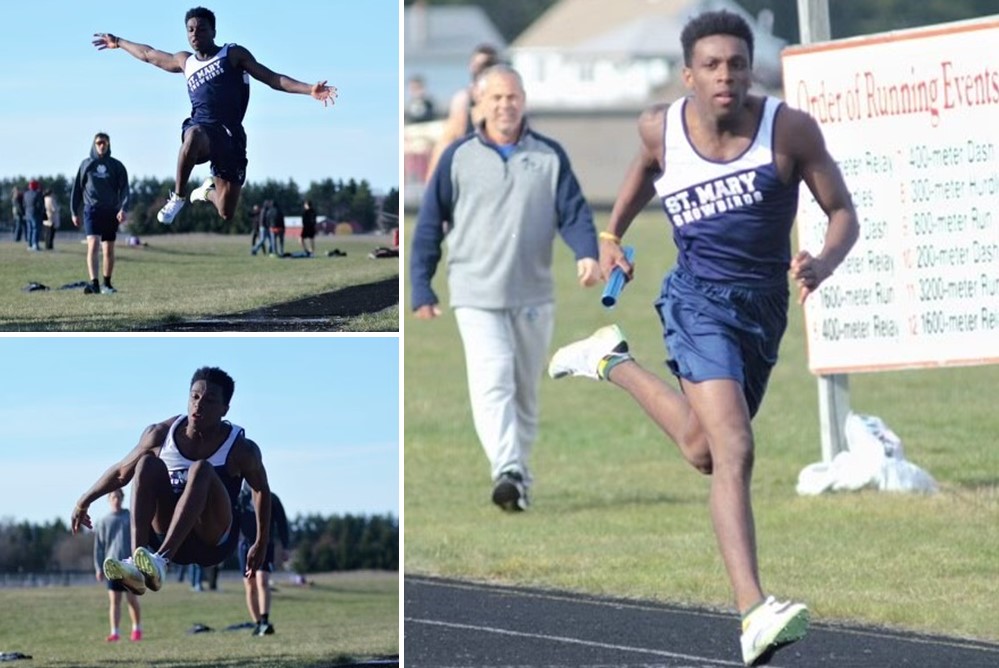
324,411
57,90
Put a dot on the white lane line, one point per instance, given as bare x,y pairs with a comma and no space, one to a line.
574,641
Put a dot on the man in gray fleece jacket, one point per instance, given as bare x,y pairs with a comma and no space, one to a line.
503,192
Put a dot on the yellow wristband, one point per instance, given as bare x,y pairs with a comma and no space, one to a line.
610,237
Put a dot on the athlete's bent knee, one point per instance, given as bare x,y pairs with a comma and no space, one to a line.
200,468
149,464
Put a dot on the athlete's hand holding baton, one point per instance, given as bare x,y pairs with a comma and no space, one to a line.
617,279
617,264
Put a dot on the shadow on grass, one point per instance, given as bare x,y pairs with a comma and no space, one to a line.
322,312
346,303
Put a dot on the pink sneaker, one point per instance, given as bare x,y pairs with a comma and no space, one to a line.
113,637
136,635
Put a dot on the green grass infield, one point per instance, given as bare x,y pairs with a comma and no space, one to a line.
343,618
176,278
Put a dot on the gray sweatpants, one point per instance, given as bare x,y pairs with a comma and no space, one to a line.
505,355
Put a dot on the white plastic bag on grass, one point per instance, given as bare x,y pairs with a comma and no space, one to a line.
874,458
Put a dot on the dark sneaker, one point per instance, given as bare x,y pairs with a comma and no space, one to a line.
264,629
510,492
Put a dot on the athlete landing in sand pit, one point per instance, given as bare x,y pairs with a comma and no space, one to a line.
219,85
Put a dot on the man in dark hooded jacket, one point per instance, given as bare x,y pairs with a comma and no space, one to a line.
101,188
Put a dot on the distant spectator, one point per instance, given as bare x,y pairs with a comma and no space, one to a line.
51,222
34,213
264,237
419,104
17,208
308,237
113,538
462,116
255,224
275,220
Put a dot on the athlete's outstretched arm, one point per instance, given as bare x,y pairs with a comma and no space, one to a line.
118,475
320,91
171,62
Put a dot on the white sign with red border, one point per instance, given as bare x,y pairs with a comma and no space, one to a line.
912,119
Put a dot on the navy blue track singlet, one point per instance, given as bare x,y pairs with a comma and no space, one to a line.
219,91
731,220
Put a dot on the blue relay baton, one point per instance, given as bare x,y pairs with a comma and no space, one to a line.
617,280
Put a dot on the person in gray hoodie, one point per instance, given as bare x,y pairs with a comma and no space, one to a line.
113,538
101,190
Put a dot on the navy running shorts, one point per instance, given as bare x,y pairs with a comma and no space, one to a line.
227,149
244,550
101,223
715,330
196,551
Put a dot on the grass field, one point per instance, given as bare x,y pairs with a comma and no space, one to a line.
179,277
617,512
342,619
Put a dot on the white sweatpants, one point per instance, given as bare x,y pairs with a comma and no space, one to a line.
505,355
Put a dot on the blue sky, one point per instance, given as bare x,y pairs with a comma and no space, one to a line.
324,411
57,90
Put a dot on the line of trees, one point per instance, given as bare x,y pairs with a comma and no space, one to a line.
351,201
318,544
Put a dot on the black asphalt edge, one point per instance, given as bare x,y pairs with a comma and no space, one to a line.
839,626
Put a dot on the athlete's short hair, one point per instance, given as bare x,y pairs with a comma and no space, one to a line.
707,24
200,13
216,376
102,135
